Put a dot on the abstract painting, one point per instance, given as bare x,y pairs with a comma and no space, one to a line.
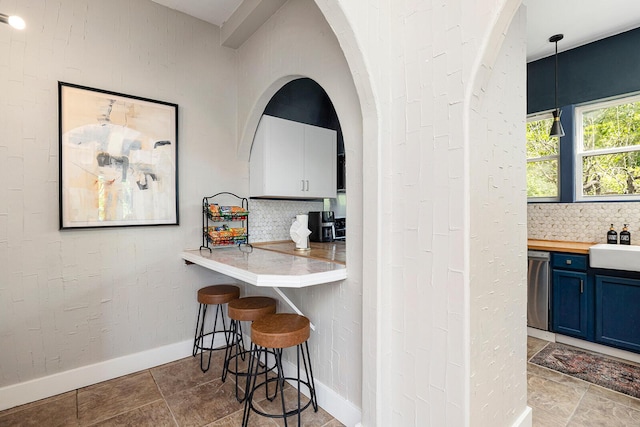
118,159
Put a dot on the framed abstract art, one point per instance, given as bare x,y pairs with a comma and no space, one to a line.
118,159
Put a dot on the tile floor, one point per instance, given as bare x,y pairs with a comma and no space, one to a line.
559,400
175,394
179,394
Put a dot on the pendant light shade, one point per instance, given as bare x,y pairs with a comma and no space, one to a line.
556,127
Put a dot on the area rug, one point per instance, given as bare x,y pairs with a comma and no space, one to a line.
594,368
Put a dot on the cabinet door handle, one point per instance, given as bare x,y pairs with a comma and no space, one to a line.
307,185
302,189
581,286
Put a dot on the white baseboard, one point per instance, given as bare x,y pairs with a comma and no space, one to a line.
525,419
539,333
62,382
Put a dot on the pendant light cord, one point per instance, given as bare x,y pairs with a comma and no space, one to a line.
556,126
555,39
556,75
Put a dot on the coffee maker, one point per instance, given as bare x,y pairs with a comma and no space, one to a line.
322,226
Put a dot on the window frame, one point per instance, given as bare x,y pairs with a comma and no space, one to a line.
543,116
579,153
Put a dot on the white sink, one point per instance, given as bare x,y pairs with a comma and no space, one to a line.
617,257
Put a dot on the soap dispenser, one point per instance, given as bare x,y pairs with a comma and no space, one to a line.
612,236
625,236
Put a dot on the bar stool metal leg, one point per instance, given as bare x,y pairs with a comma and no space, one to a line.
309,374
195,338
236,344
276,332
247,309
211,348
217,295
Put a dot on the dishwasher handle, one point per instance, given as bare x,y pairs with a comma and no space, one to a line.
541,255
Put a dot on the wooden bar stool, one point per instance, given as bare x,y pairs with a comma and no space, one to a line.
279,331
246,309
217,295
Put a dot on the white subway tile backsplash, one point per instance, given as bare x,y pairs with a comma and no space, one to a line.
581,222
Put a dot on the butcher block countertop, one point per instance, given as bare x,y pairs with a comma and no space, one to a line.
559,246
324,251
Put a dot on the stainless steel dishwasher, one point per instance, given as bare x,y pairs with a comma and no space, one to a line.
538,290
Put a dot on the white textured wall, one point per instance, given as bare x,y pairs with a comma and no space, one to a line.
419,68
498,289
72,298
582,222
295,42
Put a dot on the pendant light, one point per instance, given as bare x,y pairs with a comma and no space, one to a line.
556,127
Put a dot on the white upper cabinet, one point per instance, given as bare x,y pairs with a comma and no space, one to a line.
293,160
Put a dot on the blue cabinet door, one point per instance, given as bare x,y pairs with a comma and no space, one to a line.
570,303
618,312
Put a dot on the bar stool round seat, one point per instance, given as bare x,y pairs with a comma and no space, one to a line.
218,294
251,308
214,295
281,331
247,309
277,332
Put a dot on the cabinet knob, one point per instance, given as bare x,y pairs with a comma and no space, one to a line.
568,262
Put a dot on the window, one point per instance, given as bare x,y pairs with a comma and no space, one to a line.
607,152
542,160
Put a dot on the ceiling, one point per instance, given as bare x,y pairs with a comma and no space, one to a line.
581,21
213,11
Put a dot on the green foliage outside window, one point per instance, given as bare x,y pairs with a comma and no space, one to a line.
611,150
542,160
607,153
542,179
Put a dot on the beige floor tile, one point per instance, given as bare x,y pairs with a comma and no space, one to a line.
204,404
534,345
186,373
155,414
47,400
557,376
554,397
615,396
235,420
542,418
55,411
309,418
595,410
110,398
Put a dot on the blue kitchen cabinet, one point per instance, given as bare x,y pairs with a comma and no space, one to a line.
617,312
571,297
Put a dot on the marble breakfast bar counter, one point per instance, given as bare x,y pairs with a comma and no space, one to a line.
262,267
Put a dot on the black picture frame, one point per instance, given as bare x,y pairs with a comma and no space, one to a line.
118,159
